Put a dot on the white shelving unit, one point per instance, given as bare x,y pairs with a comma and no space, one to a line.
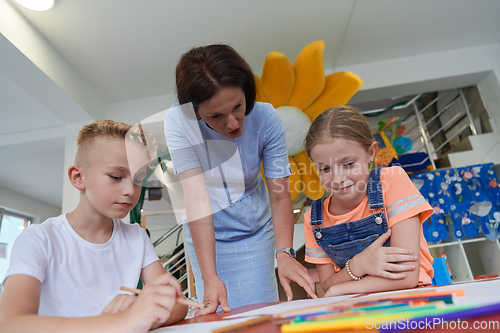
469,257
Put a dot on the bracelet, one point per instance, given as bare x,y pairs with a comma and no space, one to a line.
351,274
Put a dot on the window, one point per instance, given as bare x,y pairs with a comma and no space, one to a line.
11,226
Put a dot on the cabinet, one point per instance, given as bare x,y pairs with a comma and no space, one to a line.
469,257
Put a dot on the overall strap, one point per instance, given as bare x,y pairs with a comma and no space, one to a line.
317,212
374,190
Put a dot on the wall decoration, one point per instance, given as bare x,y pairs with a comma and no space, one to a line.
469,196
391,143
299,92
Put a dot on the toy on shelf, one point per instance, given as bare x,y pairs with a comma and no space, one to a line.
391,142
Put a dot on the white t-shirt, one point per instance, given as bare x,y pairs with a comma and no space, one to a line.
80,278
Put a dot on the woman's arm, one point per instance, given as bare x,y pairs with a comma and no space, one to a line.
289,269
20,300
199,216
405,235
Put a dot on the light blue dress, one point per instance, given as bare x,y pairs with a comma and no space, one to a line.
245,246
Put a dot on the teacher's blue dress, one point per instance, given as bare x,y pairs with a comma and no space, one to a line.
245,246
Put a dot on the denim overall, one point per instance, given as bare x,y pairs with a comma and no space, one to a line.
343,241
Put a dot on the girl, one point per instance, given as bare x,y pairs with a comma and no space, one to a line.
367,235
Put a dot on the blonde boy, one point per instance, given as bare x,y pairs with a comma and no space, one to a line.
66,273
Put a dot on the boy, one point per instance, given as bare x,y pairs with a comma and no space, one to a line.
64,271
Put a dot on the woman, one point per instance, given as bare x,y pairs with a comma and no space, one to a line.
218,137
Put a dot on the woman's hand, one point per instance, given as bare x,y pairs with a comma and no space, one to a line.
290,269
385,262
215,294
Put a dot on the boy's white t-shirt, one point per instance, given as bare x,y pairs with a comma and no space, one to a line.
80,278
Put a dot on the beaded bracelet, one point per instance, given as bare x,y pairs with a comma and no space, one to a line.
351,274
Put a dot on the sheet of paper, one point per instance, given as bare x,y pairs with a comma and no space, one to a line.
201,327
282,307
480,292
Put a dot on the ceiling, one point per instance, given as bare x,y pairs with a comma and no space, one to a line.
125,50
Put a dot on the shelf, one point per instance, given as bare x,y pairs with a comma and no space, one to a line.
459,241
469,257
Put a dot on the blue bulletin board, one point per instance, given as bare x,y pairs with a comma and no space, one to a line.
467,197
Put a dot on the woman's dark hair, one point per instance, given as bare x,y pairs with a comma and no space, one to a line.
204,70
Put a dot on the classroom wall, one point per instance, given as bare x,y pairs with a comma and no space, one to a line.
385,79
20,203
431,72
83,100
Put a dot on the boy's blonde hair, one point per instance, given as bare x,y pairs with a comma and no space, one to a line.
111,130
342,121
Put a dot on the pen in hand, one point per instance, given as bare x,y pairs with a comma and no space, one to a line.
178,300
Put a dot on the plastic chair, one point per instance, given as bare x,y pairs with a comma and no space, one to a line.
441,272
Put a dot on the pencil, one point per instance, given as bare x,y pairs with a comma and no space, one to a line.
178,300
248,323
413,294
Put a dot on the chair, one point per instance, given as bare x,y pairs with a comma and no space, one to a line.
441,272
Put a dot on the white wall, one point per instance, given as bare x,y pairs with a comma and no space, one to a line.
489,88
45,57
23,204
132,112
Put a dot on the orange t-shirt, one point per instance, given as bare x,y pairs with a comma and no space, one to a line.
402,201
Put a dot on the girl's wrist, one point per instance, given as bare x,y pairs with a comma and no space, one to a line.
355,270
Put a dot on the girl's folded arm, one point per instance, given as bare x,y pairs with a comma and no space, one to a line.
405,234
328,277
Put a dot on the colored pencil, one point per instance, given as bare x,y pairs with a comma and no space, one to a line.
178,300
417,294
247,323
463,314
362,321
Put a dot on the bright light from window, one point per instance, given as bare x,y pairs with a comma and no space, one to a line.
38,5
295,211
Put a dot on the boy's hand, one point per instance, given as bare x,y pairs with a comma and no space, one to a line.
215,294
153,306
385,262
120,303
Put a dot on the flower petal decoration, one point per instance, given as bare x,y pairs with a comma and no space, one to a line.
312,187
309,74
294,181
303,87
339,88
261,96
278,78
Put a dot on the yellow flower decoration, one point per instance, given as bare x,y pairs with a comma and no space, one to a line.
300,92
